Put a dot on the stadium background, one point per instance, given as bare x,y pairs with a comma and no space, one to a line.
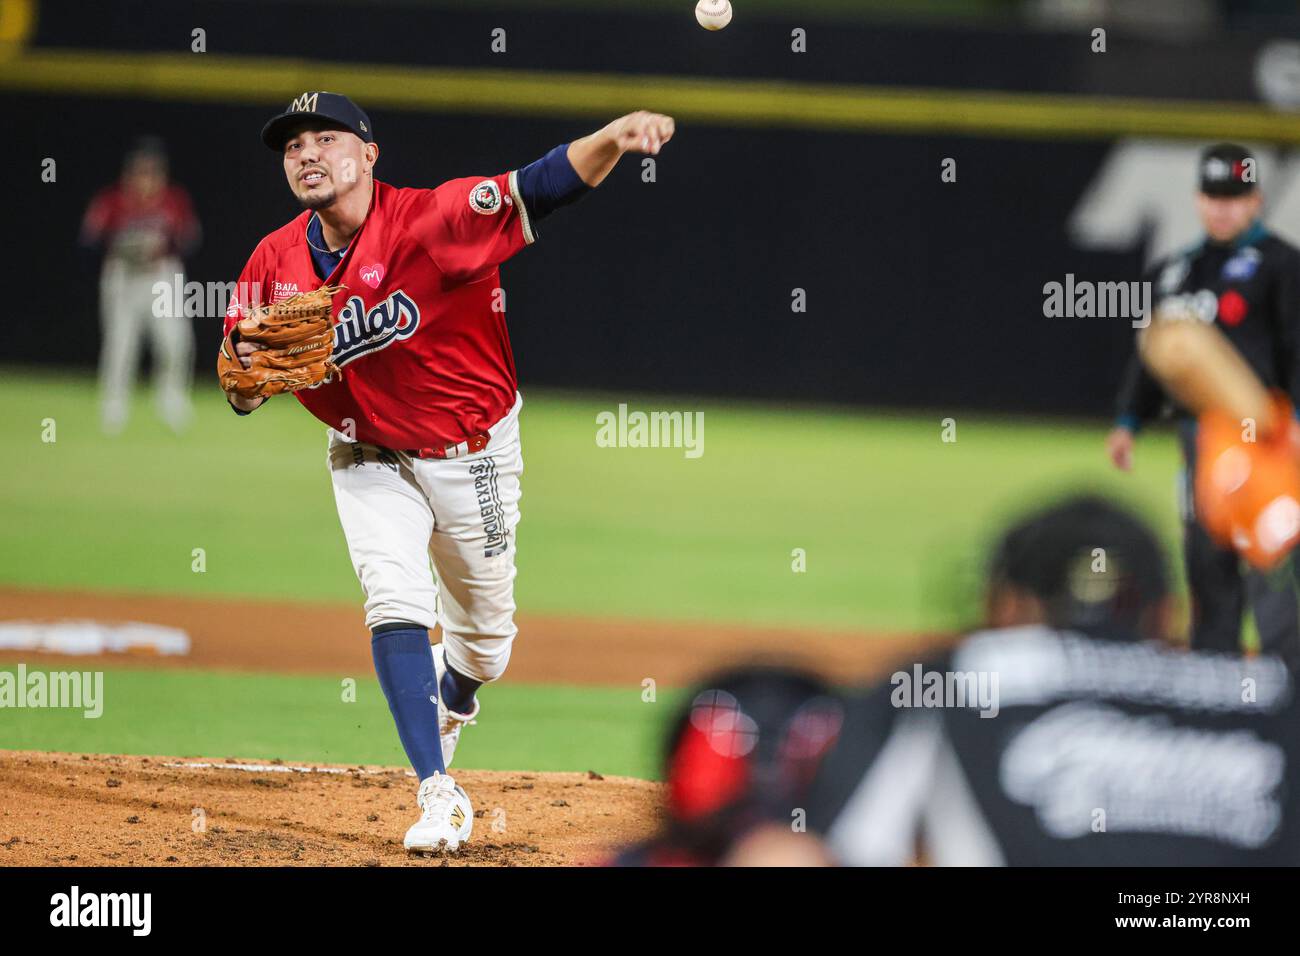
817,171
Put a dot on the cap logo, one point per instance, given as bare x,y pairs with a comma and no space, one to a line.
1217,169
304,104
362,124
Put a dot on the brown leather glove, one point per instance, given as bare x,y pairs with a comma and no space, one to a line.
294,340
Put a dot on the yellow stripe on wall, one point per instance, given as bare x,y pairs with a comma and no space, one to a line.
276,80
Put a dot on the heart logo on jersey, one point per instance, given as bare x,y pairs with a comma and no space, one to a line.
372,275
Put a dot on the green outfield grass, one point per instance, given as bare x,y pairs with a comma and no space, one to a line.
892,520
218,715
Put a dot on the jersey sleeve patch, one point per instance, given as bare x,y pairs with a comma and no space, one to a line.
485,198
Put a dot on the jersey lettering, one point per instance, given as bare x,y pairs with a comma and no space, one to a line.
360,331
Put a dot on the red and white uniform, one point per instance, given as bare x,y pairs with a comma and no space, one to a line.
139,230
421,332
424,441
143,241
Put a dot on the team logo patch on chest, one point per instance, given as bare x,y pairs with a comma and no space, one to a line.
485,198
1243,265
360,331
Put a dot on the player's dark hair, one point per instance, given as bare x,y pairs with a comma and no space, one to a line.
1094,567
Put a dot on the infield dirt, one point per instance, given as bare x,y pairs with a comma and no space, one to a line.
80,810
96,810
280,637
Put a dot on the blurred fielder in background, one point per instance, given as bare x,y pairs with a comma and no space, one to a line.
1246,282
144,224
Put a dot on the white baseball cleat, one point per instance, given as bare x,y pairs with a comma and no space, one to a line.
446,817
449,722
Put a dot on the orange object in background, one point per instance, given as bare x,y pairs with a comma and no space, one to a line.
1248,491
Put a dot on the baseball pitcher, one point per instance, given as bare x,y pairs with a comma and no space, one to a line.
381,309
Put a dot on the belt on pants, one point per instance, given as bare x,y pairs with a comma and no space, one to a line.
475,443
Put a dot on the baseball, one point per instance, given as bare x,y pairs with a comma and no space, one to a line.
713,14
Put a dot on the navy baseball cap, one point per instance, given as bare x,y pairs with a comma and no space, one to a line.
334,109
1227,170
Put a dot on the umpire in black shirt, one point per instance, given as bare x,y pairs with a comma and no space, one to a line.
1246,281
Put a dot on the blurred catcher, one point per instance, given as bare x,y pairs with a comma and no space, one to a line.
1105,747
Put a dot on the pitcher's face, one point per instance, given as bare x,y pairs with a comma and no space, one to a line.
324,165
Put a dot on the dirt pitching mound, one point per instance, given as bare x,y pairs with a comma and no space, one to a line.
60,809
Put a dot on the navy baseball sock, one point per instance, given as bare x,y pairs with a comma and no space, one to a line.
458,690
405,670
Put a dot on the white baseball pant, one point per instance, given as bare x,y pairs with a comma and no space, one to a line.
127,311
399,513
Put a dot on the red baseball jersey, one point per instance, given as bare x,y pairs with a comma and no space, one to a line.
116,215
420,325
